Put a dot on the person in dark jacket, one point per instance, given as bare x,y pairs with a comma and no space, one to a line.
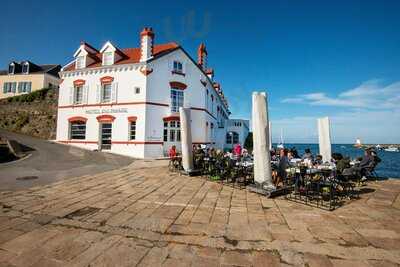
367,163
307,155
283,165
367,160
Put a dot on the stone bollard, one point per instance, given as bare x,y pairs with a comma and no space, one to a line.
186,139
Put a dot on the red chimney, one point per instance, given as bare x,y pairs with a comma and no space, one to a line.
202,56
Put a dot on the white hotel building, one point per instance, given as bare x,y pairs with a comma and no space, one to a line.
127,101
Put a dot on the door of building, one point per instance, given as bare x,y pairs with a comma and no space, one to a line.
105,134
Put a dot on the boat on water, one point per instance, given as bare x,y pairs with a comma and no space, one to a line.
392,149
378,147
280,145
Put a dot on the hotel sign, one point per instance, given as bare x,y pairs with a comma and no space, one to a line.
107,111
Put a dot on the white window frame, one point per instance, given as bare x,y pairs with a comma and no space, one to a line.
13,68
108,58
80,62
177,66
172,131
103,86
178,100
27,68
24,87
80,89
9,87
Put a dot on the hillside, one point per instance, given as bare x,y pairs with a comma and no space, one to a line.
33,114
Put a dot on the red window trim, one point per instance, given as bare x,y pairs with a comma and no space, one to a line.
172,118
116,104
136,143
132,118
177,85
178,73
106,79
77,142
79,82
105,118
77,118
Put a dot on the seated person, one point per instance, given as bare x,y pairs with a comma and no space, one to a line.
307,155
172,152
290,155
367,163
318,160
198,157
245,155
274,157
375,156
213,153
342,164
173,156
237,150
282,166
294,152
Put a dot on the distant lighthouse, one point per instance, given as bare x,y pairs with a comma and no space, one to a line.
358,143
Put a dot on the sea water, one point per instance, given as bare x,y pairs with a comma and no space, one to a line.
389,167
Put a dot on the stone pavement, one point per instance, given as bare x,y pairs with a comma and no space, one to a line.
142,215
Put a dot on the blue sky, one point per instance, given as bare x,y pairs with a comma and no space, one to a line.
314,58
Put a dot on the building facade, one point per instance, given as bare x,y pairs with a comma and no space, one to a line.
127,100
25,77
236,133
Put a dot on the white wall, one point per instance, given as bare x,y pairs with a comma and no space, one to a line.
150,106
242,130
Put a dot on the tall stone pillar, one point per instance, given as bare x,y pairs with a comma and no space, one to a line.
186,139
270,135
262,156
324,138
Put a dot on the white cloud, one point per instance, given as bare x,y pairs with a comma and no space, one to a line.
371,111
371,94
372,126
293,100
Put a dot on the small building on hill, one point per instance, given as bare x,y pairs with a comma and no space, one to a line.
25,77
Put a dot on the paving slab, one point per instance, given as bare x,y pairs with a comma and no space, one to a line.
145,216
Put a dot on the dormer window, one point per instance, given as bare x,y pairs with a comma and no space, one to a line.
11,68
25,68
80,62
108,58
178,67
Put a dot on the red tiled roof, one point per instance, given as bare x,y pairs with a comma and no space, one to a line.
129,55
